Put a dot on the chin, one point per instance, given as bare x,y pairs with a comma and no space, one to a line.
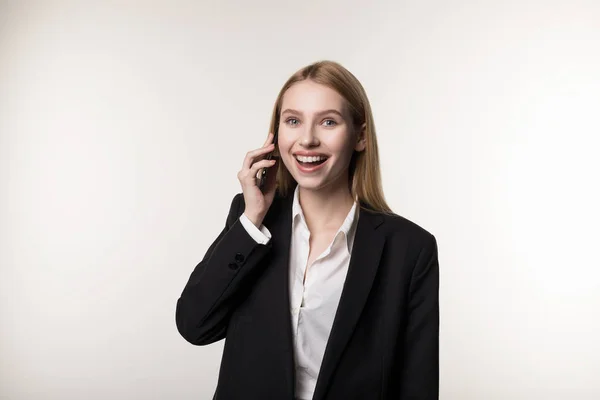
310,186
316,184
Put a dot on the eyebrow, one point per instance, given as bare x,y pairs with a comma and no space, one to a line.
330,111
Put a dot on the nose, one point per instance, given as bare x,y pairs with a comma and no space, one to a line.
308,137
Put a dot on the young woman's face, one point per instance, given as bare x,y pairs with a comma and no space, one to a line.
316,138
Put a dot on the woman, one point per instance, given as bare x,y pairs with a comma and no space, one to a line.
319,289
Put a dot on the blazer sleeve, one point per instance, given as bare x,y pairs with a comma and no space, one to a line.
420,376
216,284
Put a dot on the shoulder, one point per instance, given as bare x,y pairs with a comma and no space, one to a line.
236,208
419,245
399,228
238,202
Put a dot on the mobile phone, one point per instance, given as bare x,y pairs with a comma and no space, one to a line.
263,173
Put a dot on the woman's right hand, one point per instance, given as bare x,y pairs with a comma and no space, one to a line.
258,201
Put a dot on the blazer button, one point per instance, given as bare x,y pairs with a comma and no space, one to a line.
239,257
233,266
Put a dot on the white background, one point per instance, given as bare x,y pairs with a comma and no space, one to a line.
123,125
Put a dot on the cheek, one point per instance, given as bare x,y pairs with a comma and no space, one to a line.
284,146
342,145
283,143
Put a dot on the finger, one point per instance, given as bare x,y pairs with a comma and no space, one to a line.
251,156
256,155
249,174
272,176
269,139
258,166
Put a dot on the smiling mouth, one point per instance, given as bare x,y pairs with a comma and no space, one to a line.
310,164
310,161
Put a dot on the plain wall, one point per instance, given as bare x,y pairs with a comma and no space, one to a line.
123,125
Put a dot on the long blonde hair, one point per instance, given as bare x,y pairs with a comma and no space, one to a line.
364,174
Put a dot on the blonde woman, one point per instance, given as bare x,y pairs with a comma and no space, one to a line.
320,291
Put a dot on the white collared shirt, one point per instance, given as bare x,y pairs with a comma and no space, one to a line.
313,302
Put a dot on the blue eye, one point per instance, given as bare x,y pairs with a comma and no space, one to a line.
295,122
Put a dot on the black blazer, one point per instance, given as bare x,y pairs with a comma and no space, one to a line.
384,339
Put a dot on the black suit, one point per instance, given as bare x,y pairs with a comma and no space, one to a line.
384,339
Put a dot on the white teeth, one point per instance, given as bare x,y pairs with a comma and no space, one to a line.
310,159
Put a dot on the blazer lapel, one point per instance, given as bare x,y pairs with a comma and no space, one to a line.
368,244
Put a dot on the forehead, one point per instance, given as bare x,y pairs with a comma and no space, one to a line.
308,96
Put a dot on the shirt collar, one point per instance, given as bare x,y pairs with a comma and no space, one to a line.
348,227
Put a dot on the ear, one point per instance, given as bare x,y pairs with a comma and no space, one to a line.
361,140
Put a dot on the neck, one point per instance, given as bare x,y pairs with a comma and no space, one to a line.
326,208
